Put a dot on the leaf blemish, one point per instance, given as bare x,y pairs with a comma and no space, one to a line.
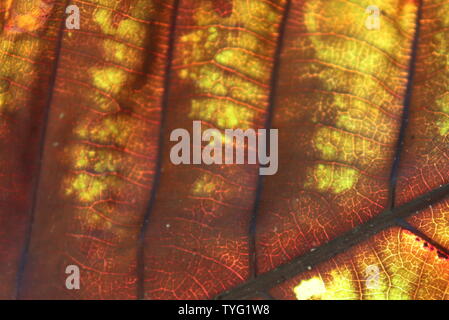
29,17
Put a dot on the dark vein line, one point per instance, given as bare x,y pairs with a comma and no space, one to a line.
440,248
271,101
141,242
40,156
405,112
384,220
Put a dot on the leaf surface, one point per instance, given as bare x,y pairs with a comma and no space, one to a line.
85,170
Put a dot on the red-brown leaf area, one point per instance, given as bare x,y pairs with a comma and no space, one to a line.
85,123
99,151
25,74
342,135
198,238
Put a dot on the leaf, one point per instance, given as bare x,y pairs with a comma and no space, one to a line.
88,186
86,178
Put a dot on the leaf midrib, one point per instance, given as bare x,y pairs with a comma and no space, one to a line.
384,220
